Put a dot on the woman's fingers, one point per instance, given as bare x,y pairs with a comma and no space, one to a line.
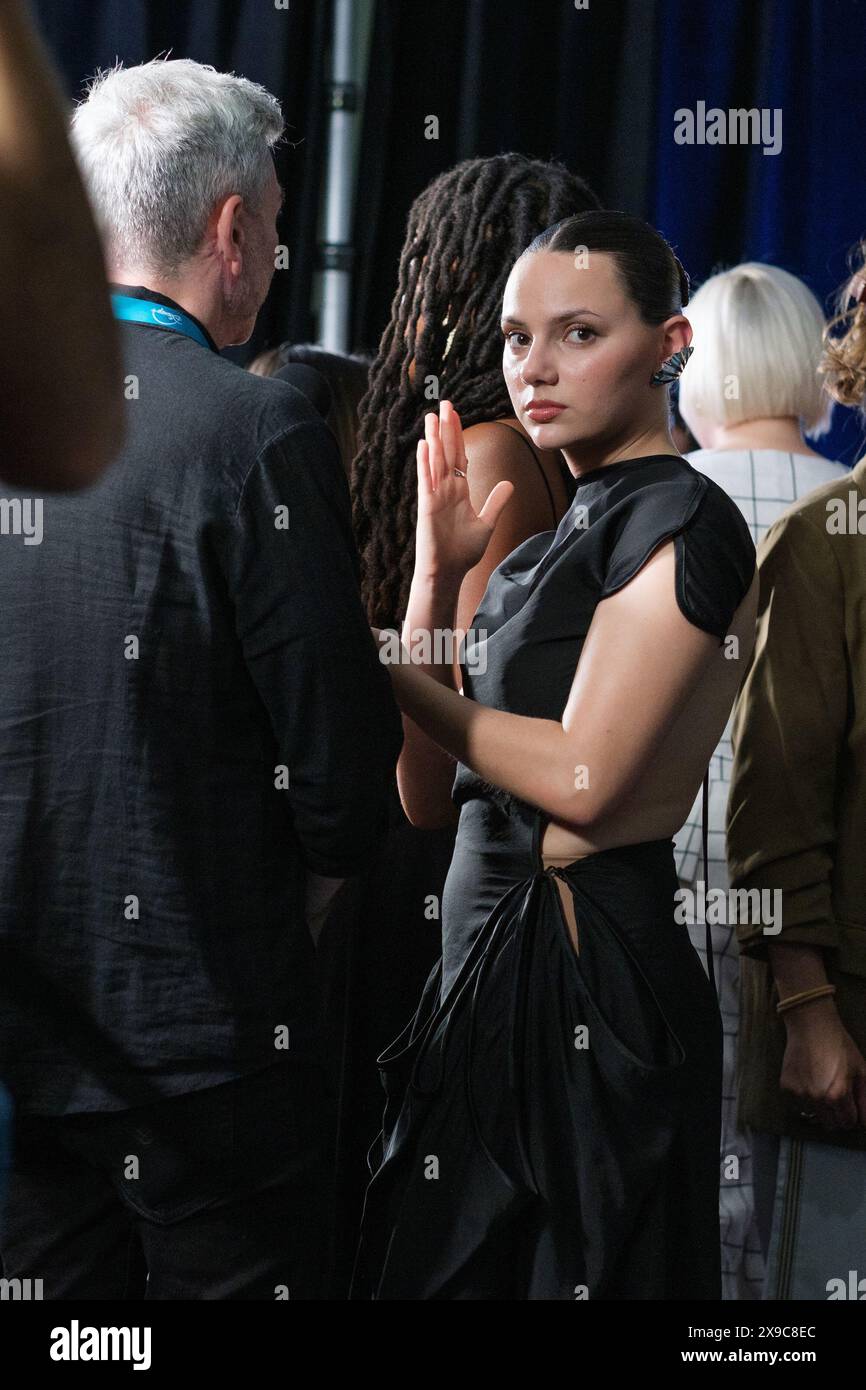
451,431
827,1105
845,1105
496,500
422,455
847,1111
443,437
840,1114
446,434
434,448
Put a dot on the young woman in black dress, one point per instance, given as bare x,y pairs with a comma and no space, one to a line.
463,233
551,1127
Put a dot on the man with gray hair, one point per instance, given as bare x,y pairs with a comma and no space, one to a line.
197,741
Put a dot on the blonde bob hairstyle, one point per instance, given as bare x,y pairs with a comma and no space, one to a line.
758,338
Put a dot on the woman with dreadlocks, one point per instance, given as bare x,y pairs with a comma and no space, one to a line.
551,1128
464,232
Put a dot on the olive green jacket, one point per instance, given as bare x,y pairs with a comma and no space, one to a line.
797,806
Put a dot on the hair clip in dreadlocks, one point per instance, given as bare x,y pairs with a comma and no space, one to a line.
672,368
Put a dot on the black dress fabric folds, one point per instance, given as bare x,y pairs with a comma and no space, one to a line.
551,1123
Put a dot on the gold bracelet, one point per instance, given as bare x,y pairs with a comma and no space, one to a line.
793,1000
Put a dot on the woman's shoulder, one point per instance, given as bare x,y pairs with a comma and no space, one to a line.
636,502
667,491
717,511
495,441
495,451
716,559
668,500
500,451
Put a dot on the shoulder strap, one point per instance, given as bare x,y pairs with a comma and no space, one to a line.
531,448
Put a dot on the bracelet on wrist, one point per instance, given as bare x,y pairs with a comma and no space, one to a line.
805,996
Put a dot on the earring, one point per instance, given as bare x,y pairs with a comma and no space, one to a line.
672,368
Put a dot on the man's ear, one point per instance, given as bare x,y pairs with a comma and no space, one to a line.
676,334
228,234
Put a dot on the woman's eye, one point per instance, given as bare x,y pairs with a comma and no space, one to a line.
514,333
587,333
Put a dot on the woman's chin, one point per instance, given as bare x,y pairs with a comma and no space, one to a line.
548,434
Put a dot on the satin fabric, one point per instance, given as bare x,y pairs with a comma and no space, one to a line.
552,1124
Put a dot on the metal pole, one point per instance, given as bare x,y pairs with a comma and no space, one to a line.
336,253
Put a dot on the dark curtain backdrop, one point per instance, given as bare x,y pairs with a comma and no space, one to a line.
284,50
596,88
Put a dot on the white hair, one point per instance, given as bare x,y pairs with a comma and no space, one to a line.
161,144
758,341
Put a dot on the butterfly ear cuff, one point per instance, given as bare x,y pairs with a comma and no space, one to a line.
672,368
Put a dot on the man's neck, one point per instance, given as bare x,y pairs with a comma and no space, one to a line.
188,294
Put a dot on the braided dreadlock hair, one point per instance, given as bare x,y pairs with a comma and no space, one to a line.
464,233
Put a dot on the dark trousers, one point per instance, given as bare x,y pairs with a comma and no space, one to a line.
223,1193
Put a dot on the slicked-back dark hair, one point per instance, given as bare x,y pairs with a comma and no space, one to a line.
651,273
477,218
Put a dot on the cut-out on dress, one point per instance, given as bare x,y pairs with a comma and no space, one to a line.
551,1125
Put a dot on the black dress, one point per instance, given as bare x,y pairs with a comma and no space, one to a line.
551,1125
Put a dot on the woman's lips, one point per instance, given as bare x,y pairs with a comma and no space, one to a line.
542,413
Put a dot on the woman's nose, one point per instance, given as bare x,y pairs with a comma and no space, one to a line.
537,366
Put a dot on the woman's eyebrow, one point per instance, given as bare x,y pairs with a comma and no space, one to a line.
557,318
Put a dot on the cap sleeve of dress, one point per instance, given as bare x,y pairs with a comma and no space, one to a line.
714,550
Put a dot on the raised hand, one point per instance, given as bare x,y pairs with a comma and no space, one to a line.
450,536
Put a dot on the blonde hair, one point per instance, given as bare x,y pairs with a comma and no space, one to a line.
758,338
844,361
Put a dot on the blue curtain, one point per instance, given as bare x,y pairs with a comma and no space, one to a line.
801,208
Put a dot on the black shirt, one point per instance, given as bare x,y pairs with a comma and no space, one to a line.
538,606
193,714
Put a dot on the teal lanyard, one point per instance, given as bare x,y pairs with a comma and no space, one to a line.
154,315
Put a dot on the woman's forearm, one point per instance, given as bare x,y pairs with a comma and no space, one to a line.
797,967
425,772
428,629
523,755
